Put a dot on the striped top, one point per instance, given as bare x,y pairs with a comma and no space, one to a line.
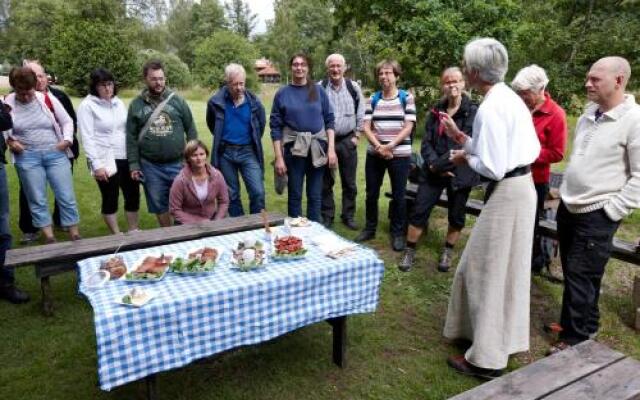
388,119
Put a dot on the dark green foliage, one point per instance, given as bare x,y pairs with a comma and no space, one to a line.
220,49
176,72
79,46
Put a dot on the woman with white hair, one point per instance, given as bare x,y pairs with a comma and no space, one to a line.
489,304
551,127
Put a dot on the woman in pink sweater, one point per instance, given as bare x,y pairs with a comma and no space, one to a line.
199,192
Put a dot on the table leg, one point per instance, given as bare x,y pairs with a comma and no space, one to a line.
151,387
339,340
47,302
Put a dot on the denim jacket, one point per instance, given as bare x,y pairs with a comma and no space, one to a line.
215,122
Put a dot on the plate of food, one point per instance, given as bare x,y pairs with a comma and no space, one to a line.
288,248
136,297
149,268
197,261
299,222
249,255
115,266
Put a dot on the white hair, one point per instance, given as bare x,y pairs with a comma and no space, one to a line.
532,78
488,58
232,70
338,57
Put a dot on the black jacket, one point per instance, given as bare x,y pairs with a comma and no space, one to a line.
5,123
436,146
68,106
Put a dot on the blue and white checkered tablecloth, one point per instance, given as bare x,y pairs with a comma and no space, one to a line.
192,317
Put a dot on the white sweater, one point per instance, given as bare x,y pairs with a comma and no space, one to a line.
102,125
604,169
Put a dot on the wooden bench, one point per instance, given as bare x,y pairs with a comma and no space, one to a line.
57,258
589,370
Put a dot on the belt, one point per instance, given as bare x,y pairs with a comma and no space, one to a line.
234,146
339,138
519,171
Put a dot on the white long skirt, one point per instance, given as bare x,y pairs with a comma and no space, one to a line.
489,302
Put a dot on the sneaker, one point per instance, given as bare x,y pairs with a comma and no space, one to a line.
12,294
445,260
557,347
28,238
406,263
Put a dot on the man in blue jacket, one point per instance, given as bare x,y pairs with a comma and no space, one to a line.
236,119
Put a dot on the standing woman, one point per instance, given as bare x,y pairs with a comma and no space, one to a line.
101,118
302,123
388,121
40,142
199,192
489,303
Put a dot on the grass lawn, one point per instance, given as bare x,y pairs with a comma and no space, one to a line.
396,353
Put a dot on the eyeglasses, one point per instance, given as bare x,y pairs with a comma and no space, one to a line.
302,64
105,84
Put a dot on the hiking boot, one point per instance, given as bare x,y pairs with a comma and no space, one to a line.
445,260
364,236
461,365
397,243
350,223
12,294
407,259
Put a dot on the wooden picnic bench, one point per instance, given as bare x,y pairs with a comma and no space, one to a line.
589,370
57,258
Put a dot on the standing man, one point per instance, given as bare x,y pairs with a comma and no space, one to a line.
30,232
8,289
348,106
159,123
601,186
236,119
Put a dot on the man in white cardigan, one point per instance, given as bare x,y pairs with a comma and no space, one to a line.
601,186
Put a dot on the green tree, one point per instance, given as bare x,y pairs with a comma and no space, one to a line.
222,48
177,72
79,46
190,23
241,20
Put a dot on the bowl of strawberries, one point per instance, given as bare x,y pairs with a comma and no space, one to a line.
288,248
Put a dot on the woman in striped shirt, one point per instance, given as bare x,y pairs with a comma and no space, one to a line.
389,118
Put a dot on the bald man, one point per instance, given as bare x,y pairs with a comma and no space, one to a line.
601,186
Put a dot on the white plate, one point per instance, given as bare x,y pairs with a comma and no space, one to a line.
97,279
279,257
138,303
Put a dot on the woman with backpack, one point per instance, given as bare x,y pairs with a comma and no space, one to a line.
390,116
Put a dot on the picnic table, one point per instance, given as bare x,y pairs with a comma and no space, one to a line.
589,370
193,317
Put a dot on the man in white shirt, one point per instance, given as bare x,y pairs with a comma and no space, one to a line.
601,186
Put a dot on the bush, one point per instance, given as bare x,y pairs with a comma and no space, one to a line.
176,71
222,48
78,47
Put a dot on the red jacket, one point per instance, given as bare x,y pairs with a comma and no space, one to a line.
184,204
550,122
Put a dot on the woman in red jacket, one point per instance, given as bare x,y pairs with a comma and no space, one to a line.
199,192
551,126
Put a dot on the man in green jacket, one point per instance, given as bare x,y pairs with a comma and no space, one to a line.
155,146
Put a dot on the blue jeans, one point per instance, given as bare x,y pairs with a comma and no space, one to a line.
242,159
35,168
158,179
6,275
297,168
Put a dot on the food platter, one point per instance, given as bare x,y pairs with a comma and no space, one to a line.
115,266
249,255
135,297
149,268
287,248
201,260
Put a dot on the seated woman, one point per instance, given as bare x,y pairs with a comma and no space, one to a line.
101,118
199,192
40,141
